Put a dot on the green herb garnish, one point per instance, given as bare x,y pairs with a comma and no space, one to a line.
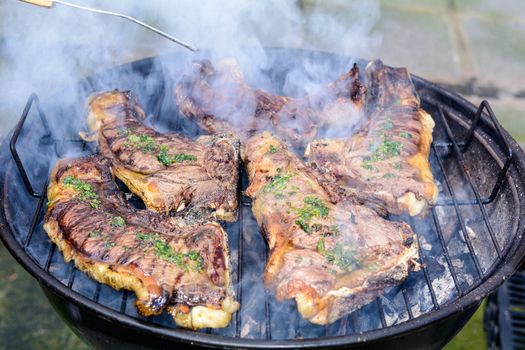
367,164
144,143
405,135
338,255
191,259
110,244
117,221
313,208
389,176
398,166
167,159
303,225
85,190
272,149
95,233
277,184
386,149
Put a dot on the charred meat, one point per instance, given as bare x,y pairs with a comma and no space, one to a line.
168,172
386,163
184,270
220,100
332,259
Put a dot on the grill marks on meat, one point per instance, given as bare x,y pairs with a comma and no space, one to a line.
332,259
184,270
167,171
385,164
221,101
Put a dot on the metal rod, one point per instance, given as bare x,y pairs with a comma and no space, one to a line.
427,279
72,276
12,144
451,267
468,140
463,168
124,302
460,219
407,304
381,312
36,215
238,317
116,14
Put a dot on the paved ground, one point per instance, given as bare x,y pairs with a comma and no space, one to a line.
475,47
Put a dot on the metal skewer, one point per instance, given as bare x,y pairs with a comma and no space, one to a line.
50,3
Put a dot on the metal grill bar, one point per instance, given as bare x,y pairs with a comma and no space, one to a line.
427,279
72,276
12,144
381,312
500,179
36,215
49,257
463,168
96,296
405,298
238,318
124,301
446,253
460,218
244,202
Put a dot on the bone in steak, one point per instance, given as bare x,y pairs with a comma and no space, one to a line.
221,101
386,163
184,270
167,171
332,259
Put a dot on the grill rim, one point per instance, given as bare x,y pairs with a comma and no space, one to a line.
507,265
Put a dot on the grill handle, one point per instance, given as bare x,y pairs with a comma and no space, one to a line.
33,99
499,133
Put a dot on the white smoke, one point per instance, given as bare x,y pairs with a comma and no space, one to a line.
42,50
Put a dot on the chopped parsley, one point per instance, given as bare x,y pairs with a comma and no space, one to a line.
386,149
405,135
85,190
147,144
143,142
313,208
303,225
277,184
93,234
167,159
191,259
110,244
338,255
398,166
272,149
389,176
117,221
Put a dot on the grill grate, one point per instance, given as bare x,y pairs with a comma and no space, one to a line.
462,270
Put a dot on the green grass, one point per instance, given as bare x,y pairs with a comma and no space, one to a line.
27,320
472,336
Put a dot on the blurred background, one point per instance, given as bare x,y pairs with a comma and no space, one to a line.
474,47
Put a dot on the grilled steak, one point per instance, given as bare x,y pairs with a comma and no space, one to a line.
386,163
182,269
332,259
221,101
167,171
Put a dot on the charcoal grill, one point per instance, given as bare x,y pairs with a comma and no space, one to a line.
470,242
